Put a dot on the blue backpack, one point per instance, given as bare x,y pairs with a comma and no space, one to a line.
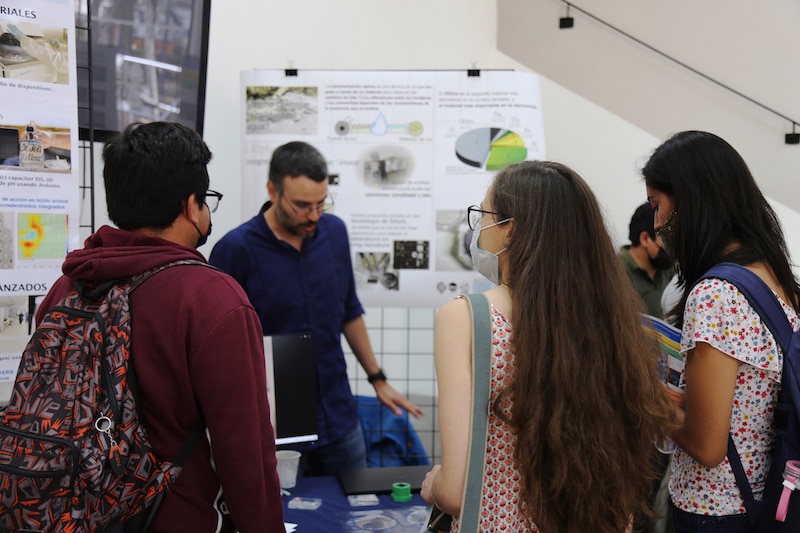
779,510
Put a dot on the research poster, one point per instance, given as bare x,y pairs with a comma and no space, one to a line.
408,152
39,199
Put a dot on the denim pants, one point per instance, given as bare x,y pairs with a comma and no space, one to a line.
347,453
694,523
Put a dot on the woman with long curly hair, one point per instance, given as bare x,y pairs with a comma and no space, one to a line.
576,402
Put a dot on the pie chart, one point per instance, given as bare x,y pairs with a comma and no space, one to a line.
490,148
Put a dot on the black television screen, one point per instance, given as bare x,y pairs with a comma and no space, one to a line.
147,61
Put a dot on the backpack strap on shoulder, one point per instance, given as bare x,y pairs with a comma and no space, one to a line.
763,300
760,296
138,279
94,292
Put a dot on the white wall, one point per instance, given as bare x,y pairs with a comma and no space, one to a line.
605,139
747,46
399,34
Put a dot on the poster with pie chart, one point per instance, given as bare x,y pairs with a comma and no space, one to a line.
490,148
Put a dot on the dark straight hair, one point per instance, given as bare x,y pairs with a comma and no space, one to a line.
721,214
295,159
150,170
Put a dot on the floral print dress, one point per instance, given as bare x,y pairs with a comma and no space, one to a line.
718,314
501,480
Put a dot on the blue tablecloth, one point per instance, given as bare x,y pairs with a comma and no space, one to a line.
335,515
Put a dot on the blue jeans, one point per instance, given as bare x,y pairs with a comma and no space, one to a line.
694,523
347,453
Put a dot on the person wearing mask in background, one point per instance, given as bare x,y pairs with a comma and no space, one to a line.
648,265
708,210
293,261
196,344
572,419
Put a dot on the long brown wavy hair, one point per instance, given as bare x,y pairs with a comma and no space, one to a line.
587,400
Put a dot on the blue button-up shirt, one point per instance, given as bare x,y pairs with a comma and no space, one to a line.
296,291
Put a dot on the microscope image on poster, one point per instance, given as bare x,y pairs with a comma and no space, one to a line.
453,238
372,269
388,165
411,254
7,249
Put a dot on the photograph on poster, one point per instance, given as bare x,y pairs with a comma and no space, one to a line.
411,254
15,317
452,240
35,147
31,52
41,236
7,240
387,165
281,110
372,269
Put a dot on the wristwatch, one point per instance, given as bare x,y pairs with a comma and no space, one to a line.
377,376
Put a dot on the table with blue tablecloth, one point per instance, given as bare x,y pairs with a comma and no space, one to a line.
335,514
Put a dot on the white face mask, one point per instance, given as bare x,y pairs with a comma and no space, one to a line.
485,262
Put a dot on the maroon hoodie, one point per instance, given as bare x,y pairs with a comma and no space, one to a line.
197,346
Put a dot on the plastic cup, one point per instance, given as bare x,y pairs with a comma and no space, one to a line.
288,461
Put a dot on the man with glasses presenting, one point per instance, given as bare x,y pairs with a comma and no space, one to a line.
294,263
196,344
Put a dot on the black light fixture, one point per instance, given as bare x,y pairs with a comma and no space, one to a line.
794,137
566,22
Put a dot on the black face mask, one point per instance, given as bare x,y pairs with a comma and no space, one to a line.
667,232
203,238
661,261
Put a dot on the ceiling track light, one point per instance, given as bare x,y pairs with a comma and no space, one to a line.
794,137
566,22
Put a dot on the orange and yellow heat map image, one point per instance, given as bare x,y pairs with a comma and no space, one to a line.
42,236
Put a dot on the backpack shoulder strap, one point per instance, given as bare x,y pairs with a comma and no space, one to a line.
96,291
762,299
138,279
481,373
760,296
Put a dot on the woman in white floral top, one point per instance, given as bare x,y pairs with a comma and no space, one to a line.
708,210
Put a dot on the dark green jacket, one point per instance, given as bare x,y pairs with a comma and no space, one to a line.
649,289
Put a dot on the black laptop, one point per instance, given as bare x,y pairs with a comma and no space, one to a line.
292,387
380,480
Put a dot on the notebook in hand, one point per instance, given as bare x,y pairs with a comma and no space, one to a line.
380,480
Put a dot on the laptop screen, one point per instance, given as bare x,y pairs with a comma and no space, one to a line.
292,387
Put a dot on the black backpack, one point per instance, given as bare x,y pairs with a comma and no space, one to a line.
74,455
779,510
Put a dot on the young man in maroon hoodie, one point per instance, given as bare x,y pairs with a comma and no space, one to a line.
196,342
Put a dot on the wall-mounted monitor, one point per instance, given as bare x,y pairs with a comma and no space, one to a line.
147,61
